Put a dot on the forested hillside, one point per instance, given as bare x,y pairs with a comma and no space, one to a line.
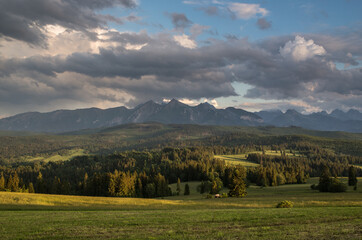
157,136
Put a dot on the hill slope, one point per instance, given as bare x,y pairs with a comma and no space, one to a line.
156,135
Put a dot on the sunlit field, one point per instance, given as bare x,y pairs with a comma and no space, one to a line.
241,159
315,215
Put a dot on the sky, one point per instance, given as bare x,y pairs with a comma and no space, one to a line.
255,55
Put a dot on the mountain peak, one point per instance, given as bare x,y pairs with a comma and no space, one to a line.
354,111
176,112
205,105
292,112
337,111
146,104
175,102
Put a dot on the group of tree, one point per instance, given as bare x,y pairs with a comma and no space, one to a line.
149,173
327,183
127,174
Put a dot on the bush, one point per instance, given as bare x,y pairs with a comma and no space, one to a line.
224,195
285,204
314,187
204,187
187,189
337,186
208,196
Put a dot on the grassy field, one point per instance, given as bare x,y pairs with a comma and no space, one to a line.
56,157
240,159
314,216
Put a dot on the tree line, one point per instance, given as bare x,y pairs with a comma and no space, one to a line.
149,173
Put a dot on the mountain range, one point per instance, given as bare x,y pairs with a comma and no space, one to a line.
176,112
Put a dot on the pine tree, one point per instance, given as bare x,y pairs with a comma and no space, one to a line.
139,188
324,180
178,187
31,188
150,190
56,187
161,186
352,178
40,187
9,184
187,189
85,181
2,182
15,185
238,186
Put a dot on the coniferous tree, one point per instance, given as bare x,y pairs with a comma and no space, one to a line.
16,181
238,186
126,185
352,178
2,182
187,189
9,184
84,187
31,188
139,188
178,187
40,186
204,187
324,180
150,190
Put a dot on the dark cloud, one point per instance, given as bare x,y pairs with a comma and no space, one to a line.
180,21
132,38
100,4
263,24
210,10
24,20
161,57
167,70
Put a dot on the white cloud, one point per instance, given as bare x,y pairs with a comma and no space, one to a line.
214,103
189,102
301,50
185,41
246,11
194,102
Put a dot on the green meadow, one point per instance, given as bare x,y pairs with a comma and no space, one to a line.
315,215
241,159
55,157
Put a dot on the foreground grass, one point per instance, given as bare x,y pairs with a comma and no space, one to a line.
315,216
302,223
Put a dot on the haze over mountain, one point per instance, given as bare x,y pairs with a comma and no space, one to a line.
176,112
337,120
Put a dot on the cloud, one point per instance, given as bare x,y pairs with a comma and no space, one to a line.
180,21
116,68
247,11
211,10
26,23
301,50
263,24
197,30
185,41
